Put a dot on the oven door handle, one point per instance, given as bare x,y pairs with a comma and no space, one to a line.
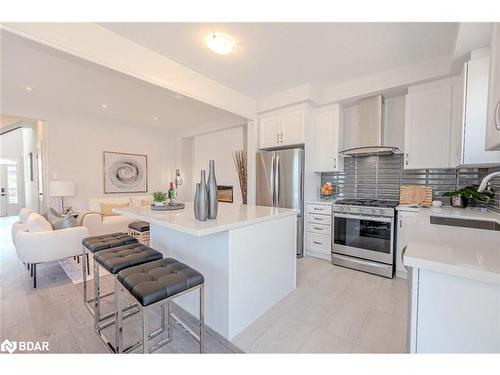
371,218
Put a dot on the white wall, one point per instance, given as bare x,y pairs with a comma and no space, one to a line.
75,148
219,146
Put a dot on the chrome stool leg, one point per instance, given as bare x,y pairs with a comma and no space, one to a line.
97,298
202,317
166,324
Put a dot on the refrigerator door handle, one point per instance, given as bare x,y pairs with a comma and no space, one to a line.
273,172
277,182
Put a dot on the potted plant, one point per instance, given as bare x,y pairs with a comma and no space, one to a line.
461,198
159,198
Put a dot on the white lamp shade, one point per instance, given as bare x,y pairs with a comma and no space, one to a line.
62,188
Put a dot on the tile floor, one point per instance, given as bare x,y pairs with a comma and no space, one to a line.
333,310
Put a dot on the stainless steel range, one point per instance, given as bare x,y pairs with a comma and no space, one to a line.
363,235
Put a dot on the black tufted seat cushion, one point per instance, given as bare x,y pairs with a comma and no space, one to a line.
107,241
119,258
155,281
140,226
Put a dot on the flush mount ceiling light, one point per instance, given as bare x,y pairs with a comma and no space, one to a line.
29,88
220,43
104,106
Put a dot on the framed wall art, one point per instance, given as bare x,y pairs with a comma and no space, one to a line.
125,173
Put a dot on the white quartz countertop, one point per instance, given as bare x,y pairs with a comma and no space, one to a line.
463,252
230,216
467,213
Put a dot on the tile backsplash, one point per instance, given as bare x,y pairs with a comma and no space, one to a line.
379,177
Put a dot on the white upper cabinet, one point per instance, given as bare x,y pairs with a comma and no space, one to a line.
472,147
270,131
281,130
493,122
327,139
431,125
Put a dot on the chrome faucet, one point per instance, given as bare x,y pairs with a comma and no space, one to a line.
485,181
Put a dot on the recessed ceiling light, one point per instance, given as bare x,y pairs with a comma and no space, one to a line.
220,43
104,106
29,88
155,118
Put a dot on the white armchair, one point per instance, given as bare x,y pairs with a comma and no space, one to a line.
40,247
21,224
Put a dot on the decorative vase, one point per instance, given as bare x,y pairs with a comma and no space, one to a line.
202,199
213,204
159,204
195,202
458,201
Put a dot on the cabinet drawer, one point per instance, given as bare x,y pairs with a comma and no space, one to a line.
319,229
319,219
319,209
319,243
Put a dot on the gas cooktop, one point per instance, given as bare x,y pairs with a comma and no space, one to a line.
368,202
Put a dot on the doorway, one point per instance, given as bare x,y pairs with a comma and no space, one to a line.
10,187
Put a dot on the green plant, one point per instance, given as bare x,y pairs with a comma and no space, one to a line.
159,196
470,193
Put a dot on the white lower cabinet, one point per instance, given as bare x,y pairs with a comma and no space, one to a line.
452,314
319,230
405,225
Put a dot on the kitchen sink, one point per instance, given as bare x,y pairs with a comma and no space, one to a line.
465,223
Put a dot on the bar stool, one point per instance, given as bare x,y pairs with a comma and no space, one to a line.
93,245
140,230
156,284
114,260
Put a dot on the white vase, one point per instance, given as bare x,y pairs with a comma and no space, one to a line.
159,204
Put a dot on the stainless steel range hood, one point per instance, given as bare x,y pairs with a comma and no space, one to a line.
371,125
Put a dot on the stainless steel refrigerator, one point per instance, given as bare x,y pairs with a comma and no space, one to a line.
280,184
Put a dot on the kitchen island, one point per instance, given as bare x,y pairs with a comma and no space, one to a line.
247,257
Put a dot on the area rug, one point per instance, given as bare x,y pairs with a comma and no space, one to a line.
74,269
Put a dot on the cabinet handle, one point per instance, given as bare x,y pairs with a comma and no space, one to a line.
319,228
335,163
277,138
406,161
281,137
317,218
400,223
318,243
316,208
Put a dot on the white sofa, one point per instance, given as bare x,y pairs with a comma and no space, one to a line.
98,224
34,247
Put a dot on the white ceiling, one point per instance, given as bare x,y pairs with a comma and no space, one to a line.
63,82
272,57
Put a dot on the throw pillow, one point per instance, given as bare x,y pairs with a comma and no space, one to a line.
107,208
67,222
37,223
55,213
146,202
24,214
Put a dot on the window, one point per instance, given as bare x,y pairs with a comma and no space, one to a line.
12,184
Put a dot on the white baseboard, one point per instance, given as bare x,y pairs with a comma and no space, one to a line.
316,254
